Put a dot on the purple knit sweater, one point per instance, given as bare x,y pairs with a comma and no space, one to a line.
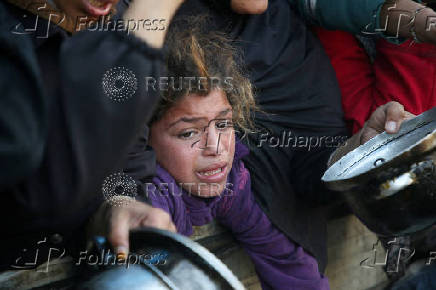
279,263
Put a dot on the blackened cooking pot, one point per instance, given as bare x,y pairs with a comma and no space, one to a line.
390,181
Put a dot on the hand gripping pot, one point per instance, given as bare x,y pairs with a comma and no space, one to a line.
181,264
390,181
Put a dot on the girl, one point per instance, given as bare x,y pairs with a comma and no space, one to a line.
201,175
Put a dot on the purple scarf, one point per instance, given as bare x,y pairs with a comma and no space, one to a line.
280,263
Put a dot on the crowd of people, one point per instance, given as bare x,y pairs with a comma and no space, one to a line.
78,108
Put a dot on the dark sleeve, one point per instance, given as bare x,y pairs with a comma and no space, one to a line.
353,16
23,118
308,168
94,130
322,130
105,126
141,165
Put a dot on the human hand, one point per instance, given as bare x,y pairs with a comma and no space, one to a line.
425,30
385,118
409,19
115,222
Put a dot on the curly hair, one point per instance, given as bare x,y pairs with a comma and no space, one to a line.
212,59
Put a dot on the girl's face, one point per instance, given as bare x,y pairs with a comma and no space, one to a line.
195,142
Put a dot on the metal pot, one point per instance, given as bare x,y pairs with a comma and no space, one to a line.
390,181
180,264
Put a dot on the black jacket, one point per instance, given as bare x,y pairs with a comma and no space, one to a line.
61,135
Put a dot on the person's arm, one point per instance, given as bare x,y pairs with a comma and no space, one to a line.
141,165
92,116
354,73
100,107
392,19
279,263
103,123
23,123
24,106
352,16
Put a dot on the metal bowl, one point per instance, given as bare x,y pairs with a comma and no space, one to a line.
162,260
390,181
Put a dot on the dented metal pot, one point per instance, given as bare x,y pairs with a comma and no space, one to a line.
390,181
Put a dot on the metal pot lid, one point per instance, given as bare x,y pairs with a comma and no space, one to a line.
415,139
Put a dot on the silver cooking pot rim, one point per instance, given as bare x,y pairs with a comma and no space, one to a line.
390,181
415,139
185,264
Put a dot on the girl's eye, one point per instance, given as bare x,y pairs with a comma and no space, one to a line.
186,135
224,124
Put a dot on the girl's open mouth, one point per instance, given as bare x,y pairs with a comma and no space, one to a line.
215,173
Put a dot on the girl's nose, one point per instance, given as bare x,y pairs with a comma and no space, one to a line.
212,143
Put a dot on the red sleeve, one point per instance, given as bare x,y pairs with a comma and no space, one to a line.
354,73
